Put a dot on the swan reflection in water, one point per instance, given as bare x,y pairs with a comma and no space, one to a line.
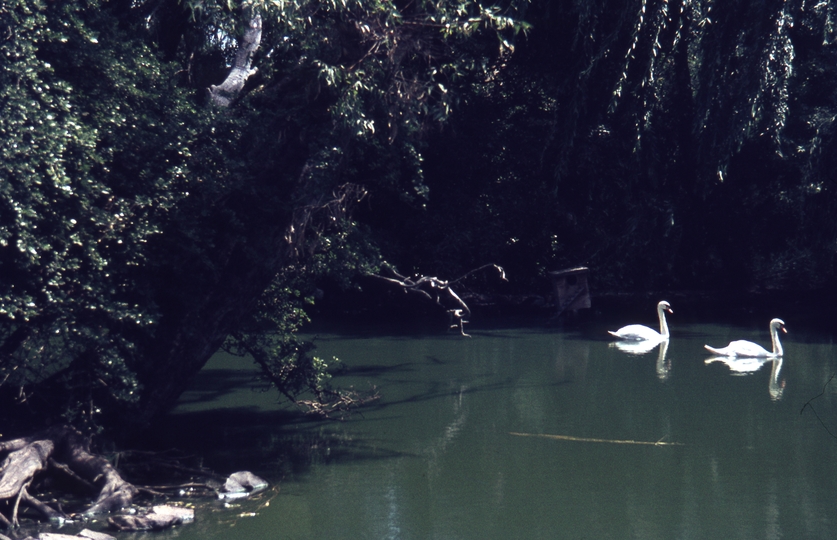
663,366
748,366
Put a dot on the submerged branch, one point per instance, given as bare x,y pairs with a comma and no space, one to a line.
338,403
583,439
810,405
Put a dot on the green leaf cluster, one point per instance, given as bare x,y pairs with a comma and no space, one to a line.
94,149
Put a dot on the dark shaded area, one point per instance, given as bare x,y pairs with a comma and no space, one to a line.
675,153
636,138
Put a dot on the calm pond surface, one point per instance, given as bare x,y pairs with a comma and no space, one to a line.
530,432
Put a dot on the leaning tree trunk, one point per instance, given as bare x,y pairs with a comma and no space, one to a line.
244,238
193,329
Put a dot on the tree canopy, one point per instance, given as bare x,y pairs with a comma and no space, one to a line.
151,211
182,175
663,144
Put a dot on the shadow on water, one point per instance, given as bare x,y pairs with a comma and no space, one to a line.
434,394
433,457
215,385
278,441
374,370
275,444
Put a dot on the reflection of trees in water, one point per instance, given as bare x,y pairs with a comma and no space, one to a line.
456,405
533,395
727,480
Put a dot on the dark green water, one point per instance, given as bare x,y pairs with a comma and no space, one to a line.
486,438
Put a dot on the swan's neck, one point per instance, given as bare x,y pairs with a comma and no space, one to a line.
661,312
777,345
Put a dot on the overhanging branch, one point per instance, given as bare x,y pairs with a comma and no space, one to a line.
438,290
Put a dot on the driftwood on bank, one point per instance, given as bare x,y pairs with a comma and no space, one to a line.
440,292
85,534
66,451
157,518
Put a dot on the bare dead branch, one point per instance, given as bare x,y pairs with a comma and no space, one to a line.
438,291
810,405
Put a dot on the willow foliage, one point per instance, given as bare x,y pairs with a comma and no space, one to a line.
689,133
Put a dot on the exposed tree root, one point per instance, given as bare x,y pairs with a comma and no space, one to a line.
61,457
62,449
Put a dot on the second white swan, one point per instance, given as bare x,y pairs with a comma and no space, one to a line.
752,350
638,332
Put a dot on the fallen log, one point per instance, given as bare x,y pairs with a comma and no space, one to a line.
62,455
158,518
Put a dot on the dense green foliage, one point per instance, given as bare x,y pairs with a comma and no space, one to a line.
663,144
143,227
79,204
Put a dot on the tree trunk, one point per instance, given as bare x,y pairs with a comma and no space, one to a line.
223,94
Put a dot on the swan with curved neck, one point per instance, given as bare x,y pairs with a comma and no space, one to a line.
638,332
752,350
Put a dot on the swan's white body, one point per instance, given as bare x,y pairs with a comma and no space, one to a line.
638,332
748,349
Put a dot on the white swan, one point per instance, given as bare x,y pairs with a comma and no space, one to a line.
638,332
751,350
